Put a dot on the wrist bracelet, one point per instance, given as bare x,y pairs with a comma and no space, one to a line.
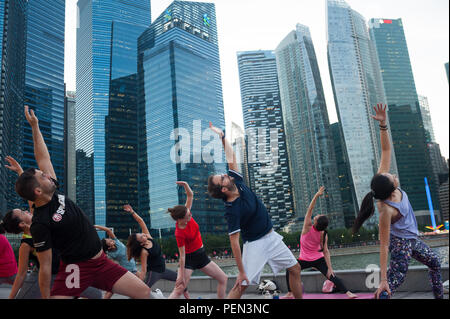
383,126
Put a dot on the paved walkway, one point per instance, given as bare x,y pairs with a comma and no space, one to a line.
4,292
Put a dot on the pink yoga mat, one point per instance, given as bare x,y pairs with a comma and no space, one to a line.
337,296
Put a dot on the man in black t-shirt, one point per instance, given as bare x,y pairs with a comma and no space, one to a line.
59,223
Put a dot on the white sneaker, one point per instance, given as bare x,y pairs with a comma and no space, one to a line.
157,294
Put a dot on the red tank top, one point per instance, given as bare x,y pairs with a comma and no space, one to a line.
189,237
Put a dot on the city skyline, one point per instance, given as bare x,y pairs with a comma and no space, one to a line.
426,30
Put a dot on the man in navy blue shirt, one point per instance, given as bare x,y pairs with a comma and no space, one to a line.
247,215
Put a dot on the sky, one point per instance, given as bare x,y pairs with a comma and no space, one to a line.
245,25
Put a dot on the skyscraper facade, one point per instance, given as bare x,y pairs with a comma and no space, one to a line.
70,168
180,91
357,87
345,178
308,136
12,61
269,172
426,117
409,133
44,80
106,40
121,135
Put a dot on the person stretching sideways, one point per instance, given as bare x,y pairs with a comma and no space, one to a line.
246,215
144,247
397,224
190,246
314,248
117,251
59,223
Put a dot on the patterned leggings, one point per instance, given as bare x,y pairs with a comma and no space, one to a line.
402,250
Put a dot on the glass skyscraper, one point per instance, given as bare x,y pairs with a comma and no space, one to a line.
344,176
269,171
357,87
426,117
409,133
309,142
70,168
44,80
12,61
180,88
106,55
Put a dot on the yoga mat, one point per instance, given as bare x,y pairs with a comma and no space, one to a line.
337,296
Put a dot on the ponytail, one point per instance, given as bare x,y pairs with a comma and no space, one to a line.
367,209
325,234
322,224
381,189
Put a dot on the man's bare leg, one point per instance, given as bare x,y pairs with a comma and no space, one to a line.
295,281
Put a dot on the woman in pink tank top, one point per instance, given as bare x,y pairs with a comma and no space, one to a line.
314,249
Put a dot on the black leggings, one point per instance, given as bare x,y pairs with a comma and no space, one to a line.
320,265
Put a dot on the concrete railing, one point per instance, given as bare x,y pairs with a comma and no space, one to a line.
417,280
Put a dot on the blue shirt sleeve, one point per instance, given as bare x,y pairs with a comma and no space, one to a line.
233,219
238,178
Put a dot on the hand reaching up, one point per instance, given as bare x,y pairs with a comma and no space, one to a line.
216,130
380,114
13,165
30,116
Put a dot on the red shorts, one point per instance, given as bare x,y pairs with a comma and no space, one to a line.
73,279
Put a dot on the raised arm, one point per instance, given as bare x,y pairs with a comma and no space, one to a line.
381,117
189,194
15,167
108,231
41,153
137,218
229,153
308,222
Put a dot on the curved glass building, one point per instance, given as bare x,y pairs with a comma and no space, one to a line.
269,172
308,136
357,87
106,61
180,91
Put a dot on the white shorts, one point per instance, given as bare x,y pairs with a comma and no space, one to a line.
269,249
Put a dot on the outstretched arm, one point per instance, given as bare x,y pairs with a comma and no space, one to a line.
385,226
229,153
326,255
45,272
137,218
41,153
15,167
308,221
24,253
381,117
189,194
107,230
